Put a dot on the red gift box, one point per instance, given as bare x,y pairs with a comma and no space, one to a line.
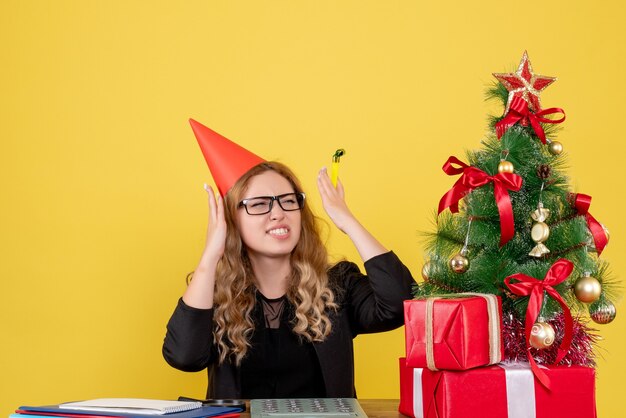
458,333
503,391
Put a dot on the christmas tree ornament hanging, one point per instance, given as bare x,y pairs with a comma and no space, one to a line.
541,335
540,231
460,263
544,171
427,271
524,83
505,167
555,147
602,311
587,288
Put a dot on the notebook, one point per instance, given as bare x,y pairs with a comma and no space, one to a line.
55,410
132,406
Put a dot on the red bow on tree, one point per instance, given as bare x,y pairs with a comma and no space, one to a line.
519,112
535,288
472,178
582,203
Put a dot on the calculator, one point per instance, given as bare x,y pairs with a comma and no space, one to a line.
306,408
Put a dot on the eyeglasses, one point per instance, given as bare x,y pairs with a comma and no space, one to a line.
263,204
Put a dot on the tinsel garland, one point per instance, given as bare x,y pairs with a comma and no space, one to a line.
580,353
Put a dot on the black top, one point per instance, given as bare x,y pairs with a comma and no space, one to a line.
367,303
279,363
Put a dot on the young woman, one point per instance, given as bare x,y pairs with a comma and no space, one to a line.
264,312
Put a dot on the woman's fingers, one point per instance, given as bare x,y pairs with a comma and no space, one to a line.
212,203
216,230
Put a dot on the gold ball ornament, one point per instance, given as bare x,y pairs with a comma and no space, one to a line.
505,167
459,263
541,335
555,147
602,312
427,271
587,289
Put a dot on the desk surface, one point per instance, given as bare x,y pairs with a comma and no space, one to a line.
374,408
381,408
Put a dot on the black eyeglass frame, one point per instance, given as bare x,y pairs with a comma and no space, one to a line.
300,198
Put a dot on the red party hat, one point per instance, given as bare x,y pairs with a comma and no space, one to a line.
226,160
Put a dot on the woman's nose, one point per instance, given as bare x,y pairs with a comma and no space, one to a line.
277,212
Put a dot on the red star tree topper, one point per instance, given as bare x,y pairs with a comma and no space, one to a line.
525,84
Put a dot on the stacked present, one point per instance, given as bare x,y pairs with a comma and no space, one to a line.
453,367
528,250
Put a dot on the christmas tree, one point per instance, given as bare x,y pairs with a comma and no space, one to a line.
510,226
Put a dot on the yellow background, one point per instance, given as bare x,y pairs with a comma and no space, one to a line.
102,211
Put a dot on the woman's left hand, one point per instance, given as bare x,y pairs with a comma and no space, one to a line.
337,209
334,201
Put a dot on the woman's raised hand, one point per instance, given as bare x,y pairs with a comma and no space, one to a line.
216,230
337,209
199,293
333,200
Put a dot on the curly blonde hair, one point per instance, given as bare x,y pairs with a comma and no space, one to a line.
235,288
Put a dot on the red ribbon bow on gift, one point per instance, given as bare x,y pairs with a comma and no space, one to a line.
534,288
472,178
519,112
582,203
